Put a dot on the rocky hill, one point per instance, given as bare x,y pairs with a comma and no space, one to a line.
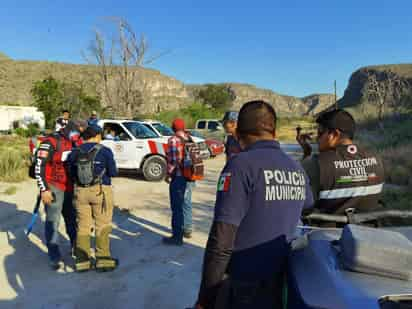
284,105
162,92
386,87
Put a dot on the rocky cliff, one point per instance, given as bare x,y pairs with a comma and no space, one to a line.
378,89
161,92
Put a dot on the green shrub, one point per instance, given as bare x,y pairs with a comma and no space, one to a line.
21,132
219,97
397,199
32,130
398,175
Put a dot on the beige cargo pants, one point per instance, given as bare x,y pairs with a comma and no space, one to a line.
94,206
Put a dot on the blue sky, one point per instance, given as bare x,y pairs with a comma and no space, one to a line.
293,47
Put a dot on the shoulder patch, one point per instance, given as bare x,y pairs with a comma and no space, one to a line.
352,149
223,184
42,154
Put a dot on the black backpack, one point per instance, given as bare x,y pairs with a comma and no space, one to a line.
85,167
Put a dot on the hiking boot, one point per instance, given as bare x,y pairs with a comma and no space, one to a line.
81,266
172,241
106,264
187,234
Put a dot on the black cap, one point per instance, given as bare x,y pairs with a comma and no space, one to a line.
338,119
91,131
230,116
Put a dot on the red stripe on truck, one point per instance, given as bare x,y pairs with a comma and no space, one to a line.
152,146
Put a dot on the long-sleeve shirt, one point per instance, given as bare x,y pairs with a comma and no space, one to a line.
175,153
261,193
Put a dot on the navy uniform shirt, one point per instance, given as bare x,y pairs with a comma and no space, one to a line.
104,160
232,146
262,191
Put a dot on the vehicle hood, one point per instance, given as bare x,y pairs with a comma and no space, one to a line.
322,282
195,139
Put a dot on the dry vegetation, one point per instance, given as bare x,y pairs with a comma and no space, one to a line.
394,144
14,158
286,128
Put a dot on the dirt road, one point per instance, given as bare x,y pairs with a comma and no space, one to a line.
150,275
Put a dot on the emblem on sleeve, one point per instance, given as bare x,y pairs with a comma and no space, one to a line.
42,154
352,149
224,182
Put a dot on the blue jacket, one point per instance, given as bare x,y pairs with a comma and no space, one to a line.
104,160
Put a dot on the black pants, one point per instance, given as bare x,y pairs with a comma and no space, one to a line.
265,294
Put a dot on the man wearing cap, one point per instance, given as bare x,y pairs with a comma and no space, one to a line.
180,189
342,175
92,165
232,146
56,188
93,120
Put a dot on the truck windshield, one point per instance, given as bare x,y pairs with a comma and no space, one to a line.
196,134
163,129
139,131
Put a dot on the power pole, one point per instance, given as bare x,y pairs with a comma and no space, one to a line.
336,99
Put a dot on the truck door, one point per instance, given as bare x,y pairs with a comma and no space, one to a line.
120,141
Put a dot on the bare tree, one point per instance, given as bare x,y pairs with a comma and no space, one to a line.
120,61
386,91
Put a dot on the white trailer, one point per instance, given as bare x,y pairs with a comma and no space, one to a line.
20,116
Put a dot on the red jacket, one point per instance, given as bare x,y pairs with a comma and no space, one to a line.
51,166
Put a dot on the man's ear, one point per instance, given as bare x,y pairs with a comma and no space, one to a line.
335,136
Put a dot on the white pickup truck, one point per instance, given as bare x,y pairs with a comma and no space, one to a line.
136,147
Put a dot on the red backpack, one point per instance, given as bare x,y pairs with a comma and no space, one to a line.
193,167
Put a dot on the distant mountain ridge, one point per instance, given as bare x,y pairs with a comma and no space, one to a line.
162,92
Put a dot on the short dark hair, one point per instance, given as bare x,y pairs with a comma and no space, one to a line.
255,118
338,119
65,111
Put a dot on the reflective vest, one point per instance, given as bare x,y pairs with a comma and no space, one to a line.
349,178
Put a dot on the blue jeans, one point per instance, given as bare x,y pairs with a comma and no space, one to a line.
180,191
61,205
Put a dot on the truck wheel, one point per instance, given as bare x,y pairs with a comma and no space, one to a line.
154,168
